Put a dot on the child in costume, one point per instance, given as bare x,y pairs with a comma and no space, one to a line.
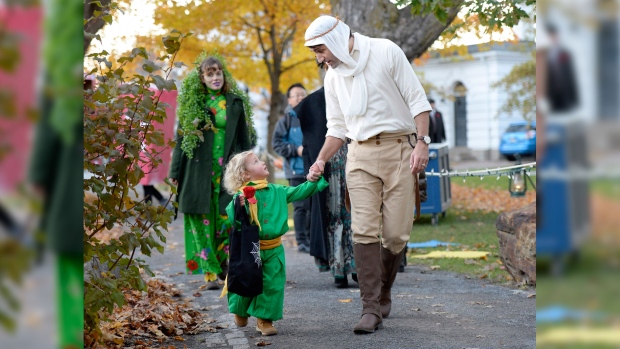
268,209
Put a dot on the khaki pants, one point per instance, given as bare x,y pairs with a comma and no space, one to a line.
381,188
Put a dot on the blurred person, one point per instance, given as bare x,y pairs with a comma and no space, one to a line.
196,166
56,173
374,101
287,142
268,209
148,182
437,130
561,86
330,222
8,222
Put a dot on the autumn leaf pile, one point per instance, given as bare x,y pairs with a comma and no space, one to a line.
485,200
149,319
605,219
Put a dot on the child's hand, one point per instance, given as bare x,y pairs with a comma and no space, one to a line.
242,200
313,176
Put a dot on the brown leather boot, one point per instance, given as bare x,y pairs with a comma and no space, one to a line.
241,321
265,327
389,267
367,261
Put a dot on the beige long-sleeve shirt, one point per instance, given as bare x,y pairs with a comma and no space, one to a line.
395,95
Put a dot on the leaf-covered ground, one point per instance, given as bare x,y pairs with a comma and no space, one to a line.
480,198
153,320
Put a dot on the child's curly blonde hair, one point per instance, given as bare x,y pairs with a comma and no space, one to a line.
234,173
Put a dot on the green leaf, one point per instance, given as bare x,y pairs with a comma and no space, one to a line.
170,85
441,15
139,51
160,248
107,18
118,298
150,66
159,82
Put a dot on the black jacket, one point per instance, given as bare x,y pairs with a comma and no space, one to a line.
437,131
312,119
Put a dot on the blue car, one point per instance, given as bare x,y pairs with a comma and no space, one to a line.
519,139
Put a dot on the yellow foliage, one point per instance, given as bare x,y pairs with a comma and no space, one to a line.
259,39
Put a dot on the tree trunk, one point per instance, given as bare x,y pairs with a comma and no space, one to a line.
381,19
92,27
276,109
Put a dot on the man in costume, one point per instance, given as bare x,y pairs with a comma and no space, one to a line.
375,102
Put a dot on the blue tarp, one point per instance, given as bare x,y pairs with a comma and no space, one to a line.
432,243
559,314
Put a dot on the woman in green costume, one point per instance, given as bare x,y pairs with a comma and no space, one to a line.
212,127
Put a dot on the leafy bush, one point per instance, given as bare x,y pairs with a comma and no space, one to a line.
119,117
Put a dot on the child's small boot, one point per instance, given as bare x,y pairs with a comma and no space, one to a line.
241,321
265,327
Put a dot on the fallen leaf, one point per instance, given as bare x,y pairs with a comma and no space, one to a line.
262,344
437,305
345,300
417,309
197,294
435,267
179,338
532,295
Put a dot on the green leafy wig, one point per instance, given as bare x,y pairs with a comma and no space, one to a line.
191,105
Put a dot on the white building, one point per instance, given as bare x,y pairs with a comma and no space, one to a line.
473,125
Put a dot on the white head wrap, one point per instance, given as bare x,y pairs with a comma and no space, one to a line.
334,34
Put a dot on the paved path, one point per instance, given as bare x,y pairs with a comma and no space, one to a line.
432,309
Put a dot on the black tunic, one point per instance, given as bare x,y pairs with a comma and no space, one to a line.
313,121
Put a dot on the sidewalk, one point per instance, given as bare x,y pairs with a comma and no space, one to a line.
431,309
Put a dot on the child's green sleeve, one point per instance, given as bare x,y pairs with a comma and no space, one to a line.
305,190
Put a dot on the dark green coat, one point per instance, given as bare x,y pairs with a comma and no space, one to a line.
58,168
194,175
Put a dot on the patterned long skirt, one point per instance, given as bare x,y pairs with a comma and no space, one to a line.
339,234
206,238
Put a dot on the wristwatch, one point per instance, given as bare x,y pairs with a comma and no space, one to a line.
425,139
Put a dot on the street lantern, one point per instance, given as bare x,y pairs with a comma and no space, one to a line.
517,186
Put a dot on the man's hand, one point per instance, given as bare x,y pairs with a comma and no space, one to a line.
300,149
316,170
419,158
